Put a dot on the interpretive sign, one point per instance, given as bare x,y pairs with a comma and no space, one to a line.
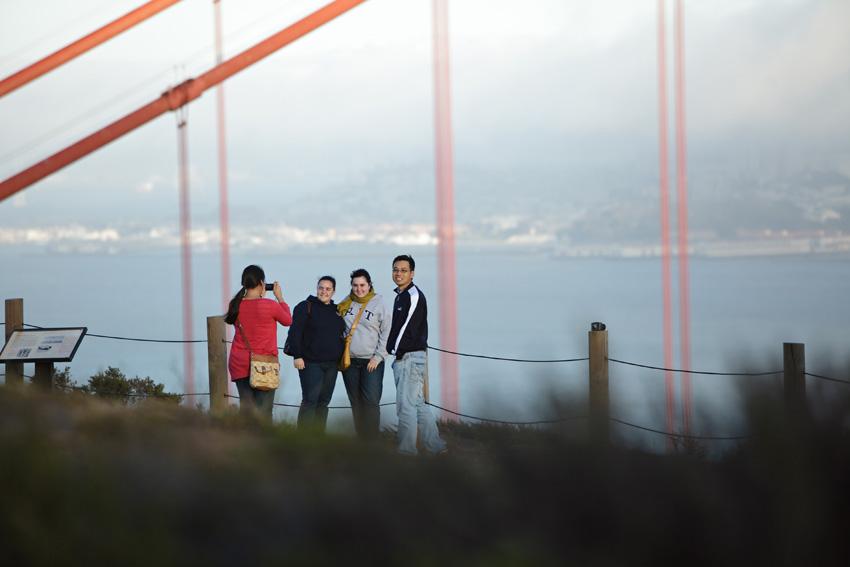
42,345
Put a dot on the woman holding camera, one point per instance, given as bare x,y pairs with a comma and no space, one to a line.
315,340
257,318
364,378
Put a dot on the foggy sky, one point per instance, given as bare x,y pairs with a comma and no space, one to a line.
531,80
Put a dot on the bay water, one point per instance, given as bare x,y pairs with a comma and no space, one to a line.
523,305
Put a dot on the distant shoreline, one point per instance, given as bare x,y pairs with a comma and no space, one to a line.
837,248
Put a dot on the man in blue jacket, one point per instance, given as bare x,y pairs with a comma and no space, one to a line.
408,343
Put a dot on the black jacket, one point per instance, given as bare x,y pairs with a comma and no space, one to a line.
317,335
409,330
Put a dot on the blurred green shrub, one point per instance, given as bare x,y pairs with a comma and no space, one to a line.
114,385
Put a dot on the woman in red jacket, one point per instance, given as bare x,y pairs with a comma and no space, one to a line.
258,318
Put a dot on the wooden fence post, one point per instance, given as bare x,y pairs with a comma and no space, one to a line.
795,381
14,320
598,370
425,392
217,358
43,376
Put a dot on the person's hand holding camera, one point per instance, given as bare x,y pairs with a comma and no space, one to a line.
275,288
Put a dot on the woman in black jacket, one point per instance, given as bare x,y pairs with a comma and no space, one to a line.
315,340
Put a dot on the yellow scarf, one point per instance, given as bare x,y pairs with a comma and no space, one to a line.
346,303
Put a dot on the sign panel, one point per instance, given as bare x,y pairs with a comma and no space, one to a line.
42,345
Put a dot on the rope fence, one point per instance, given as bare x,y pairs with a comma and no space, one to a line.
501,359
696,371
541,422
496,421
497,358
826,378
681,435
505,359
485,357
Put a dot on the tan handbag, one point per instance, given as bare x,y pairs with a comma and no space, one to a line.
265,370
345,359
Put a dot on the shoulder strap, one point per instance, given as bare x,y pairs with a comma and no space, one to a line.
354,326
244,336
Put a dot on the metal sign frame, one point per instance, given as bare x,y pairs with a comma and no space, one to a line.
42,345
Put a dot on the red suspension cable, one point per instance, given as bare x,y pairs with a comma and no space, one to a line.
445,209
186,255
666,276
223,206
682,192
174,98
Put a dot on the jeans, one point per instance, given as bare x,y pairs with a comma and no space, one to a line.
318,380
413,412
364,392
253,399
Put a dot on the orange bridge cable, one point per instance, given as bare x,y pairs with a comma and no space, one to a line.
92,112
82,45
682,191
42,37
445,201
123,96
664,186
185,246
174,98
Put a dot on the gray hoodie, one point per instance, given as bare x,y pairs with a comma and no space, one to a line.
370,336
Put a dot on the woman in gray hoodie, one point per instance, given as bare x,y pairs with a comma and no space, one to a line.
364,378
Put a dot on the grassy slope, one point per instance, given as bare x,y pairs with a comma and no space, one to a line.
87,482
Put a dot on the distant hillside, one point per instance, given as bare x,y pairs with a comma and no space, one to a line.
584,204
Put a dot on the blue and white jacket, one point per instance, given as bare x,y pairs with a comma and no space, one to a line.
409,329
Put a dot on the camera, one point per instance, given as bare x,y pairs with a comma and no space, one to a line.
269,287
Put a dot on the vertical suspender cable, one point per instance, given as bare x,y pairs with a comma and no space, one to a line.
682,186
224,213
445,208
174,98
186,255
664,173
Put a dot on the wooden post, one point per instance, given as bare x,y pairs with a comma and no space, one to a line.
795,380
598,370
43,377
14,320
446,416
425,383
217,358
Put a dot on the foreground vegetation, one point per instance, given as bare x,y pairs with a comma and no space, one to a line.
88,481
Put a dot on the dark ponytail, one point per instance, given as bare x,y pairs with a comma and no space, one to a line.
252,276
